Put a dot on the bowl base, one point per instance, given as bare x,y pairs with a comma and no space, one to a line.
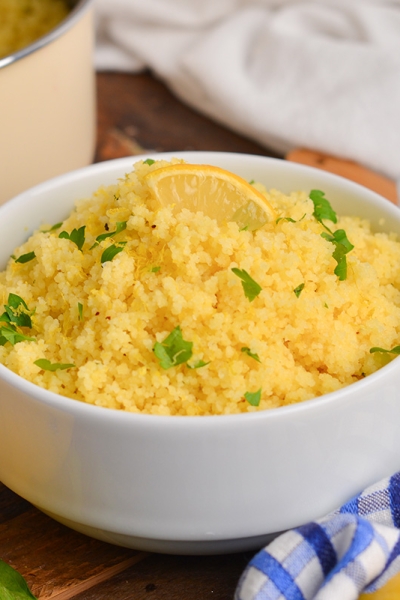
186,547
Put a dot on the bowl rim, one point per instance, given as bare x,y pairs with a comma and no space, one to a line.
85,409
72,17
71,405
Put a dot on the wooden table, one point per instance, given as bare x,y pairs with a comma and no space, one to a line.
136,114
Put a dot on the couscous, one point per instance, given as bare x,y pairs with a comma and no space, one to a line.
24,21
133,306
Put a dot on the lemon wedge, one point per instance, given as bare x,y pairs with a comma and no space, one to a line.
215,192
390,591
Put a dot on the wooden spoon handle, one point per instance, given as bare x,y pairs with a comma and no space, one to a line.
346,168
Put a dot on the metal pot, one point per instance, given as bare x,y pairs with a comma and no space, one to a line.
47,104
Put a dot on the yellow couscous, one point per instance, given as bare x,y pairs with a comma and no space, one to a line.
129,306
24,21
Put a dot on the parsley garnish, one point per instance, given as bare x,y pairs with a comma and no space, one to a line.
16,312
250,353
297,290
155,269
342,247
80,311
24,258
250,287
112,251
10,334
253,398
77,236
13,585
322,207
46,365
15,315
149,161
323,210
395,350
174,350
53,228
289,219
120,226
198,364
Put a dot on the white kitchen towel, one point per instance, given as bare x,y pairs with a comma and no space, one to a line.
319,74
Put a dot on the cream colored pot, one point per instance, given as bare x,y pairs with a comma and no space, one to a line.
47,105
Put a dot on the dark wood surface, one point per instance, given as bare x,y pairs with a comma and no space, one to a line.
136,114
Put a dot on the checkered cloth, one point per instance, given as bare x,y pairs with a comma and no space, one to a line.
352,550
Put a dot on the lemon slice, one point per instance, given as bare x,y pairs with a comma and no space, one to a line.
390,591
215,192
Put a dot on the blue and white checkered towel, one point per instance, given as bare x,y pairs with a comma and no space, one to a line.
352,550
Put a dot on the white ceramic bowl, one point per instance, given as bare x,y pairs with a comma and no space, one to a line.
194,484
47,100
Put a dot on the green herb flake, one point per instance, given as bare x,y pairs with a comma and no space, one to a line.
198,364
10,334
342,247
155,269
16,311
253,398
250,353
80,311
297,290
24,258
322,207
149,161
53,228
120,226
289,219
395,350
250,287
46,365
174,350
12,585
77,236
112,251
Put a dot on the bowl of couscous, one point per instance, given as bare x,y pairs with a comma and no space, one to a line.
197,350
47,91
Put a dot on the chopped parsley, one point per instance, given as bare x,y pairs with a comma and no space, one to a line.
342,247
53,228
253,398
149,161
250,287
24,258
322,207
297,290
250,353
10,334
17,312
174,350
77,236
155,269
80,311
395,350
120,226
112,251
289,219
198,364
46,365
324,211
